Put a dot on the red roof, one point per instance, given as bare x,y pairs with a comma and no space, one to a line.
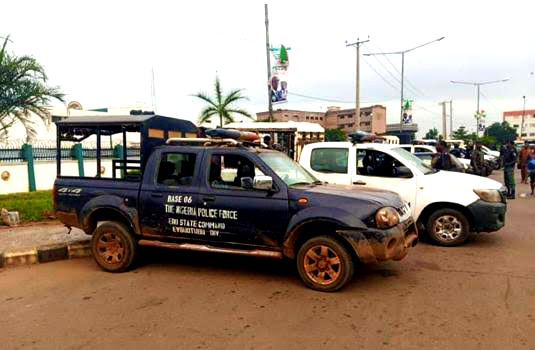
519,113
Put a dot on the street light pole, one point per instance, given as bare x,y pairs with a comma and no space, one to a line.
357,84
402,53
478,84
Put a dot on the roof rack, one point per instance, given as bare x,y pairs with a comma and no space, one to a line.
212,141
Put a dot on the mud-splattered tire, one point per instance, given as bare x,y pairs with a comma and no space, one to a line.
448,227
324,264
113,246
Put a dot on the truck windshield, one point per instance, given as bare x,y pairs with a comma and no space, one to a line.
288,170
413,160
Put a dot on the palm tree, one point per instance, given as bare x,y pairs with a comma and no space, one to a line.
221,105
23,92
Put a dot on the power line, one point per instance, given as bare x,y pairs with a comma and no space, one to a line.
379,74
330,99
411,85
491,103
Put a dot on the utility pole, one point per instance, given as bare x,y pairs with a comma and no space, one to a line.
268,53
357,85
402,53
451,119
444,130
478,84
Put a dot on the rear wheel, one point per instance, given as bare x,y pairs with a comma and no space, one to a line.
113,246
324,264
448,227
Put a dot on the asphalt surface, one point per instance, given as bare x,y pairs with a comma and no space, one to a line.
477,296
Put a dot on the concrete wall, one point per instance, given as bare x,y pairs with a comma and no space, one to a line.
45,174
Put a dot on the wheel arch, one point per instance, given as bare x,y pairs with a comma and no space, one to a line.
105,214
431,208
312,228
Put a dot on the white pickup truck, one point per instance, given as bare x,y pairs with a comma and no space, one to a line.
449,205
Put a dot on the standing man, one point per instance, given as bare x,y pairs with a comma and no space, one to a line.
509,161
478,160
523,158
531,169
442,160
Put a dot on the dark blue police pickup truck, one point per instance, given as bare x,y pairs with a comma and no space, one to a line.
224,196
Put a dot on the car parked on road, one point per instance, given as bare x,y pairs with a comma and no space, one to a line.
449,205
225,196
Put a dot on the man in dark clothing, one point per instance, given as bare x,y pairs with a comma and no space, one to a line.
509,161
442,160
478,160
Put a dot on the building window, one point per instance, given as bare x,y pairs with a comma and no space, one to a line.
515,125
532,134
307,117
342,116
321,118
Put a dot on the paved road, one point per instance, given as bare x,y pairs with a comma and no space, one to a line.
478,296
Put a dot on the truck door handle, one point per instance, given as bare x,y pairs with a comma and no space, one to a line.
359,182
156,194
208,199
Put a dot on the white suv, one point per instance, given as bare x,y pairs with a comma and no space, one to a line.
449,205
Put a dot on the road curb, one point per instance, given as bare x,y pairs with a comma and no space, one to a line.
45,253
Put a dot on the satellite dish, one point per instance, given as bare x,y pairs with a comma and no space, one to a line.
75,105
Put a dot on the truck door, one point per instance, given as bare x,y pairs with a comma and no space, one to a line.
381,170
169,199
232,210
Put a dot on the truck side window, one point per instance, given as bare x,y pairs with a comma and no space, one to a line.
230,171
376,163
329,160
176,169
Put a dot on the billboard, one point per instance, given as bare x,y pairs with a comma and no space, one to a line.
279,75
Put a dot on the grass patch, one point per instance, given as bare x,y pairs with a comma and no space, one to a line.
32,206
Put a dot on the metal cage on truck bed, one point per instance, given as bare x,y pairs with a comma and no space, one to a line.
154,130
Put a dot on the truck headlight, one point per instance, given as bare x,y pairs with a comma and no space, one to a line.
492,196
386,217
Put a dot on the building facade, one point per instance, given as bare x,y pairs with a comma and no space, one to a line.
372,119
523,122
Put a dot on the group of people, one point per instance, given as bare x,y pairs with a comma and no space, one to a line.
526,164
509,157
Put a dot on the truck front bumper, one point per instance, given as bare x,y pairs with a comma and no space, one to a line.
488,217
372,245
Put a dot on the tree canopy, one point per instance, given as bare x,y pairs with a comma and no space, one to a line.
23,92
501,132
335,135
432,134
221,105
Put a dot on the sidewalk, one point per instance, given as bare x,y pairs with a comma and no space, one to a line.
39,243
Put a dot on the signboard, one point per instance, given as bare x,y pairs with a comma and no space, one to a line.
480,117
407,112
279,75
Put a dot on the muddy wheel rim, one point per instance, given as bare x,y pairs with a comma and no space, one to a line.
111,248
448,228
322,264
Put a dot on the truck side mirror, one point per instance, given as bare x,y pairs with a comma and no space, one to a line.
403,172
247,183
264,183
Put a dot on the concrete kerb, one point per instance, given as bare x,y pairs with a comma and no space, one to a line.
45,253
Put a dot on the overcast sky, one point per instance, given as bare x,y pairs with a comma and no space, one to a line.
101,52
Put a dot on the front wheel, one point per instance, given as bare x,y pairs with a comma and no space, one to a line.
113,246
324,264
448,227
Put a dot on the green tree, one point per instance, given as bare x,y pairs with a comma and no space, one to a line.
432,134
501,132
335,135
23,92
221,105
461,134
